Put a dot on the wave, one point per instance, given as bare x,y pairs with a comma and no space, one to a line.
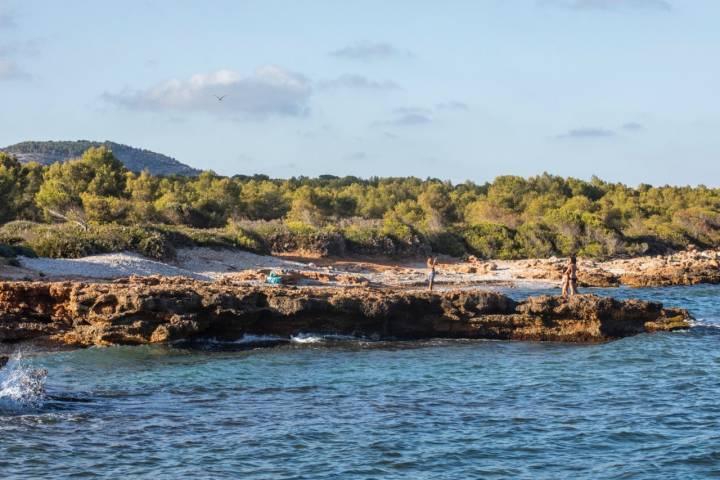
271,340
703,323
303,338
248,338
22,387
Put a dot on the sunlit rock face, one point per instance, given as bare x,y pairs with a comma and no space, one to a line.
162,309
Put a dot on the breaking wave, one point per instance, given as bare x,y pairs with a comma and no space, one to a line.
22,387
316,338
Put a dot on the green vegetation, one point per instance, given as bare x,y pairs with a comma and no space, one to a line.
94,204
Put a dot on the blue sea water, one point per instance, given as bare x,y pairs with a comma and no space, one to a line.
646,407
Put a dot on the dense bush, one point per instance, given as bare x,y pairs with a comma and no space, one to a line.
447,243
383,238
99,201
491,240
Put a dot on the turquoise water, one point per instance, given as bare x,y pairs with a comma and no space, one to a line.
646,407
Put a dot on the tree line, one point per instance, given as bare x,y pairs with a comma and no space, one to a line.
510,217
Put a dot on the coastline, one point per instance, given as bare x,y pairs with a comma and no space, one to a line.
142,310
214,264
128,299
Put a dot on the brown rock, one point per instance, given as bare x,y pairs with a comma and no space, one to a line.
597,277
149,310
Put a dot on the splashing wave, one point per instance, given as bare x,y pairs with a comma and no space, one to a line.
22,387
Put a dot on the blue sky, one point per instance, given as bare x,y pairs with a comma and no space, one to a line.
623,89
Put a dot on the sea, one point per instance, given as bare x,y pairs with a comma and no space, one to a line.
330,407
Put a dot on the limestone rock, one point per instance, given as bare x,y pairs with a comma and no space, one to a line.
157,309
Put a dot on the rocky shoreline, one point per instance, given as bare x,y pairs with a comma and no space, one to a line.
141,310
681,268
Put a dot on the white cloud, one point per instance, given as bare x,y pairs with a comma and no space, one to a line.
270,90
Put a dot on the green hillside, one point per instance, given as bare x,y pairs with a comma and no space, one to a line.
134,159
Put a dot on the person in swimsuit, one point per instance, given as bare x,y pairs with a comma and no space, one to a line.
569,281
431,263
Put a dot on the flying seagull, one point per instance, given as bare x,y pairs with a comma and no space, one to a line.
220,99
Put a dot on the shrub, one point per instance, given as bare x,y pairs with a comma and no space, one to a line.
535,240
447,243
296,236
63,243
491,240
155,245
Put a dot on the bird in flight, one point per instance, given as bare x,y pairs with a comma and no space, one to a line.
220,98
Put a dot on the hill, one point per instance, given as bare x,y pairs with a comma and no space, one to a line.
135,159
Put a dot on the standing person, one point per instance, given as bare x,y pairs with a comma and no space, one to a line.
569,281
431,263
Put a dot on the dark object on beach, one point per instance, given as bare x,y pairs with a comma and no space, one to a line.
4,360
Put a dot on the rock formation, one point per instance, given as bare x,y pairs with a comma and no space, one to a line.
682,268
160,309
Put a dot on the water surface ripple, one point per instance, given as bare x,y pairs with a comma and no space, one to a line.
645,407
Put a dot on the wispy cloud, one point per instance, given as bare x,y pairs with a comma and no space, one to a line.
407,117
9,70
658,5
11,51
359,82
586,133
21,48
357,156
455,106
369,51
270,90
632,127
410,119
245,158
412,111
323,131
414,116
6,21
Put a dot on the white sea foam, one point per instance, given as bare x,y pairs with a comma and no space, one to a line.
248,338
704,323
21,386
245,339
317,338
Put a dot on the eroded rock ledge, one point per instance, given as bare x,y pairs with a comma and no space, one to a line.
156,309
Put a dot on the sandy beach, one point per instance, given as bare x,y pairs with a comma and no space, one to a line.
210,264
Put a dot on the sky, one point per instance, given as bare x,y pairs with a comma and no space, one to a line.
461,90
